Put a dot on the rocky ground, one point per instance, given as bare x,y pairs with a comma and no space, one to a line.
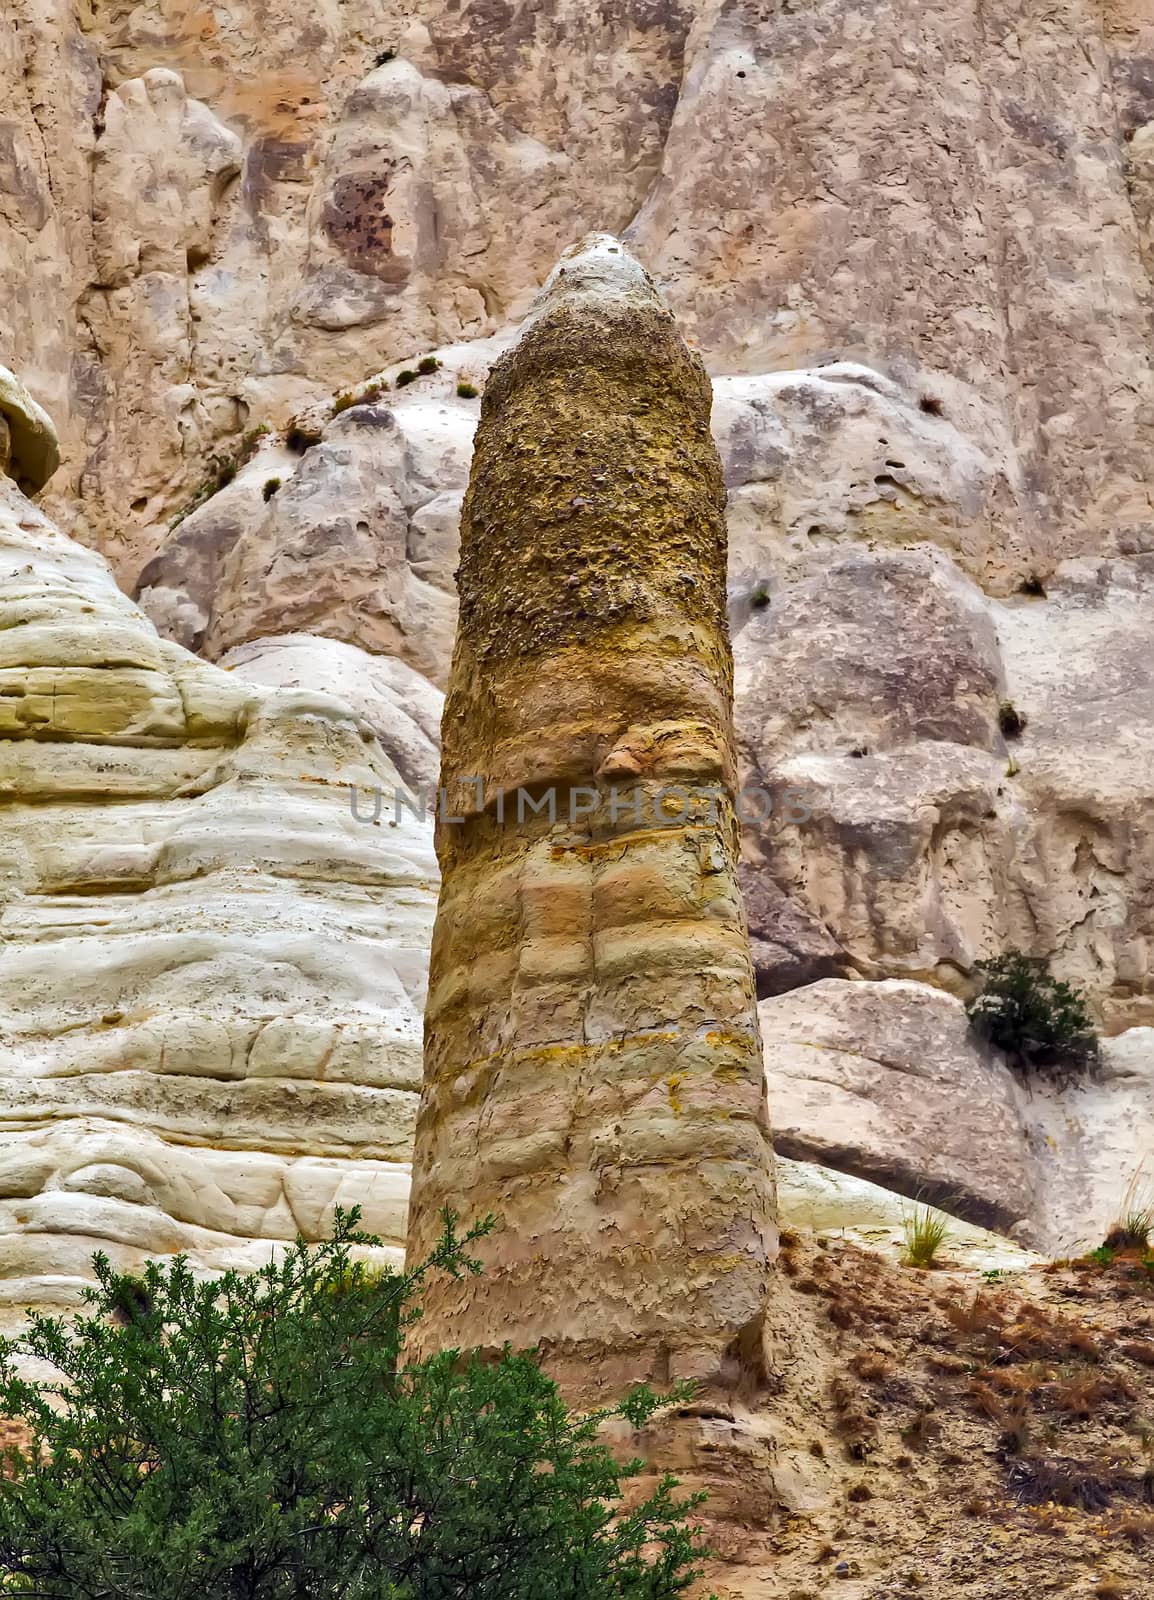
948,1434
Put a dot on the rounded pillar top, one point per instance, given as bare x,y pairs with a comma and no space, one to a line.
597,267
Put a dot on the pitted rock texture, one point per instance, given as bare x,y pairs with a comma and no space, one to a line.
968,774
912,240
592,1056
346,525
212,972
954,195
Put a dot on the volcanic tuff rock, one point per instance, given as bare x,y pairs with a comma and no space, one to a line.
955,195
211,973
592,1068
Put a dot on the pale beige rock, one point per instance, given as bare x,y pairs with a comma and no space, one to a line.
928,189
212,971
913,830
29,450
948,203
886,1082
401,707
836,1205
356,538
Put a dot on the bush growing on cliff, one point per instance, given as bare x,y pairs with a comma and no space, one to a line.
262,1436
1042,1024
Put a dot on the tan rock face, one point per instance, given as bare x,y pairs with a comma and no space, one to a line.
29,451
965,775
917,240
355,536
886,1081
593,1073
956,200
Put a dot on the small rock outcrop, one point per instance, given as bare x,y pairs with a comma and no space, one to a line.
29,451
592,1063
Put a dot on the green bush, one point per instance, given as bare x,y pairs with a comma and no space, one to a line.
260,1437
466,390
1042,1024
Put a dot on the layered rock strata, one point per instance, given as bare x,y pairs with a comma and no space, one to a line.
592,1061
211,972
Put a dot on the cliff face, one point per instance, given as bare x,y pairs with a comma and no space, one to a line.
209,218
923,263
212,972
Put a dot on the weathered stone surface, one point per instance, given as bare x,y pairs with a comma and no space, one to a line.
591,1045
402,708
928,836
29,450
790,947
883,1080
875,652
928,189
951,200
211,972
356,538
841,455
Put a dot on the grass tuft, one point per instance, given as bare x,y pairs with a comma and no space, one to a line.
925,1232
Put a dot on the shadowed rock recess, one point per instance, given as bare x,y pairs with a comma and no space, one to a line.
593,1068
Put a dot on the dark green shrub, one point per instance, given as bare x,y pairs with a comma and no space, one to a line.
1010,720
428,364
262,1437
271,485
405,378
467,391
1042,1024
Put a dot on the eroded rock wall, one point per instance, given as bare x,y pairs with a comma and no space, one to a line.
212,972
911,241
211,220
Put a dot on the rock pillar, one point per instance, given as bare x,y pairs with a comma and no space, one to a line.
593,1068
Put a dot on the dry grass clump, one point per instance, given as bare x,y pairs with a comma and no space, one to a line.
1135,1224
925,1232
365,396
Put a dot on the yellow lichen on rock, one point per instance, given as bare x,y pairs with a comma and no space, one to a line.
593,1066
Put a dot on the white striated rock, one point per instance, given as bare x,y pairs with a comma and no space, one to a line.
401,707
212,973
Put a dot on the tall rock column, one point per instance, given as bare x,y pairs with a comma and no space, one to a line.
593,1069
